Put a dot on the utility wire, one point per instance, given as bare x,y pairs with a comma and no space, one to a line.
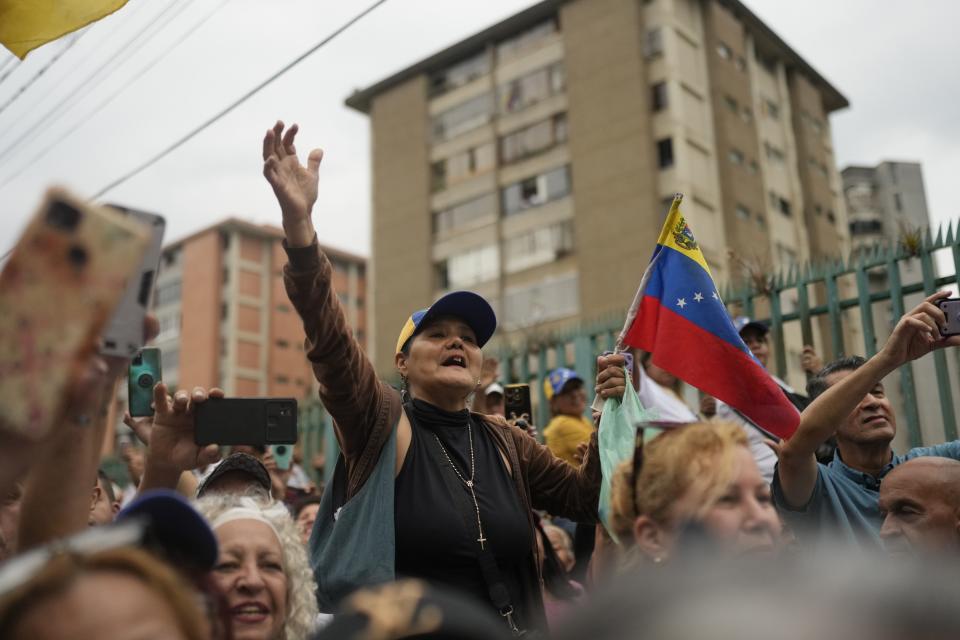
39,74
97,109
179,143
97,77
101,40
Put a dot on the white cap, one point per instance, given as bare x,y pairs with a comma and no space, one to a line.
495,387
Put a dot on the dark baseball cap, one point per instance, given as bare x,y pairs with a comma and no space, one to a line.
242,463
175,527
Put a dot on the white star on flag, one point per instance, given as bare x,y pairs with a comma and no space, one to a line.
715,296
681,303
697,297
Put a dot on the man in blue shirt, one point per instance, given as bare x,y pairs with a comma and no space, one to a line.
841,498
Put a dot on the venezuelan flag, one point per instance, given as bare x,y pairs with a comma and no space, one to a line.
28,24
679,318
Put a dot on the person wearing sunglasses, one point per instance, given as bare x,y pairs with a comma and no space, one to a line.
694,477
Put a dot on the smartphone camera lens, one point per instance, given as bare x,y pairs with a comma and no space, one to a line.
145,380
281,450
62,216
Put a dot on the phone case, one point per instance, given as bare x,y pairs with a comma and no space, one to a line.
951,308
282,455
57,291
517,401
143,376
252,421
124,334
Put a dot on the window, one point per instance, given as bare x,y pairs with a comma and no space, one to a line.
473,212
224,311
283,308
752,168
526,39
282,379
724,51
747,115
461,166
761,221
665,153
653,44
817,209
861,227
168,293
735,156
171,258
533,139
898,202
283,344
465,116
742,212
540,246
741,64
773,153
771,108
171,359
460,73
780,203
659,96
831,217
536,190
768,63
731,103
784,206
541,302
469,268
169,326
524,91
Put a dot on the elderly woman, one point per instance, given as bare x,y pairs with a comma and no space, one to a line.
262,572
462,486
700,475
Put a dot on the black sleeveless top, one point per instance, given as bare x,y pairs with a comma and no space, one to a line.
433,541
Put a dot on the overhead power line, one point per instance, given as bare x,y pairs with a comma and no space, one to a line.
186,138
74,39
94,79
140,73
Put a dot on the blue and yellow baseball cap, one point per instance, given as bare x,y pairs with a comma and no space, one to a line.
467,305
553,383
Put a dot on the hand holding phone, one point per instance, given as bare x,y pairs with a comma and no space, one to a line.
143,376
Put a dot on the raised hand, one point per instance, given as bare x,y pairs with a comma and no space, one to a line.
918,333
611,376
170,438
294,185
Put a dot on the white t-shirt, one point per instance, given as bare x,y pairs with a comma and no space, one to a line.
763,455
668,406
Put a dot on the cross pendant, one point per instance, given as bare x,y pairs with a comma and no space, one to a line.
481,540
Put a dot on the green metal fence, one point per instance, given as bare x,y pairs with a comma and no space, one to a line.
818,298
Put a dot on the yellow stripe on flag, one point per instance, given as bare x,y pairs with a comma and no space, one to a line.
677,235
28,24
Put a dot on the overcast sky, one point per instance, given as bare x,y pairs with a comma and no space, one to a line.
896,63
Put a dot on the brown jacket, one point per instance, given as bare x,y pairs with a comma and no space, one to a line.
365,410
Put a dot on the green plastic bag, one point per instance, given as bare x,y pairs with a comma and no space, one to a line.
616,439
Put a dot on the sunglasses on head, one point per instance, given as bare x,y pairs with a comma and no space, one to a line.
648,431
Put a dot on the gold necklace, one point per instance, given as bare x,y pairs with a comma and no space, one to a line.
469,483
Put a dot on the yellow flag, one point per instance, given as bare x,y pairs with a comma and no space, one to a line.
28,24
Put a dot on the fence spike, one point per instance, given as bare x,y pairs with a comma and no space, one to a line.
927,238
939,241
949,239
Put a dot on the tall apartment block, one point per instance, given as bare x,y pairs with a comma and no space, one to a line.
534,162
225,319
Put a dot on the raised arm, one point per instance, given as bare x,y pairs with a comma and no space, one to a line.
915,335
349,386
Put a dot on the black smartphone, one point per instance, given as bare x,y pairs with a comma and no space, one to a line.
951,309
251,421
516,398
142,377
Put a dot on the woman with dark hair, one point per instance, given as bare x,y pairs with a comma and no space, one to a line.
460,486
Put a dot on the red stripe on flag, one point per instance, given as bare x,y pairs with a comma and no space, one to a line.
712,365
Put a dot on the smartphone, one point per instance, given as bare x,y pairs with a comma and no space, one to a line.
251,421
951,309
516,399
143,375
123,337
282,455
58,290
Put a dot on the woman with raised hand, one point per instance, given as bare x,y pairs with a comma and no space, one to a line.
455,497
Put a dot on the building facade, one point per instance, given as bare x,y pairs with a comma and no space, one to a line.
534,161
225,319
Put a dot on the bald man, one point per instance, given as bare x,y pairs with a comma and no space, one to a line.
920,504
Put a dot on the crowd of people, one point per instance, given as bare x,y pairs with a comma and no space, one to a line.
446,519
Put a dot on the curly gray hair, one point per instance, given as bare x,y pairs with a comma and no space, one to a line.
301,588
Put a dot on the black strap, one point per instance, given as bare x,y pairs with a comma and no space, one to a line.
496,589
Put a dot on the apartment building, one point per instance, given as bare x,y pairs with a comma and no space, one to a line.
534,161
225,319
